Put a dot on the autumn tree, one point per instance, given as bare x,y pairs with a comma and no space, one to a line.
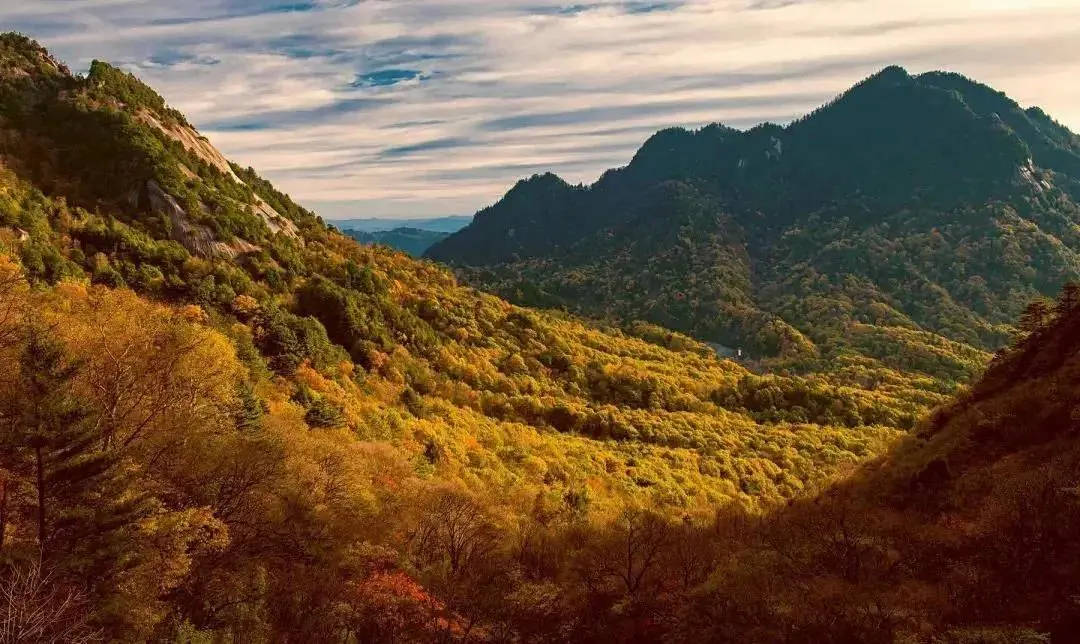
1068,300
628,555
455,544
35,606
86,503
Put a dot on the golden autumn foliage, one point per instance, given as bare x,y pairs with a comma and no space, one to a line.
229,485
235,514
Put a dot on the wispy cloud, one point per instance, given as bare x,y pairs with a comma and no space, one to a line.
376,107
387,77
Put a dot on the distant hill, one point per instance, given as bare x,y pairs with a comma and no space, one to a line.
906,223
413,241
450,224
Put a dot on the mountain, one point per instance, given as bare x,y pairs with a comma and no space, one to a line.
413,241
450,224
906,223
222,419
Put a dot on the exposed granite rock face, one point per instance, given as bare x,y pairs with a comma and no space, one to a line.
193,141
274,221
198,239
201,148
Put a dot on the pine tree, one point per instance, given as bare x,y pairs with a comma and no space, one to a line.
1036,316
50,426
84,501
1069,298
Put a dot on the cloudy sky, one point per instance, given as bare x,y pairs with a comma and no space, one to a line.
430,107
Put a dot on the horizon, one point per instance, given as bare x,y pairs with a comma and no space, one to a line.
417,110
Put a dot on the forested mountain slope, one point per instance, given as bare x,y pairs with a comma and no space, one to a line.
966,532
907,222
223,419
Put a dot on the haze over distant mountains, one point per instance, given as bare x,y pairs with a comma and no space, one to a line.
414,236
449,224
908,221
413,241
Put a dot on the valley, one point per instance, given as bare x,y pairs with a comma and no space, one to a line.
812,383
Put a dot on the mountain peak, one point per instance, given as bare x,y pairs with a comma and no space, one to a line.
890,74
107,141
540,180
24,56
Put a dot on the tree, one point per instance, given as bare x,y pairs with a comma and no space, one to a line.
323,413
387,606
1036,316
1069,299
83,498
36,607
147,369
86,506
631,552
454,529
692,554
12,289
51,423
455,545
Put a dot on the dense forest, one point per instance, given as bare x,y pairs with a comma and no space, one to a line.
222,420
905,224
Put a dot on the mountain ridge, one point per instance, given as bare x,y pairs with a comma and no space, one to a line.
446,224
413,241
98,194
860,205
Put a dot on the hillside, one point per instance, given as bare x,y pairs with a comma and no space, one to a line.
224,419
906,223
966,531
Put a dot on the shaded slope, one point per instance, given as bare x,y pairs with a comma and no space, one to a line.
965,532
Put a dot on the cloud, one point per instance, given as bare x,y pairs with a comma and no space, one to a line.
286,118
423,146
166,58
649,7
627,6
245,8
617,113
427,107
387,77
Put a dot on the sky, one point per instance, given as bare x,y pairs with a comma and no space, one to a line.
417,108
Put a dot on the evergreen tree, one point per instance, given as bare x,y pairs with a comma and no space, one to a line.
1036,316
84,504
1069,299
